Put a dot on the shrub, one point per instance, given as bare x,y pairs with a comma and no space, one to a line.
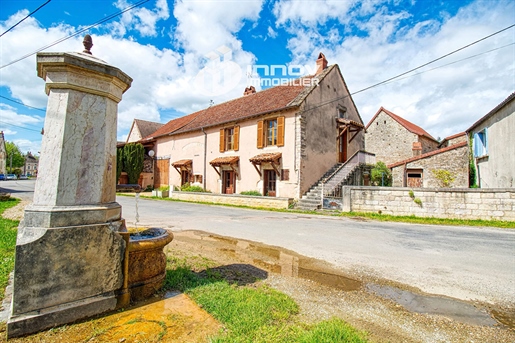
253,193
444,177
187,187
164,188
119,163
380,175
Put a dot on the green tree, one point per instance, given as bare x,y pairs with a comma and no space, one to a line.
18,160
119,163
133,156
381,175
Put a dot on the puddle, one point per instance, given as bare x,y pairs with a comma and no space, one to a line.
288,263
439,305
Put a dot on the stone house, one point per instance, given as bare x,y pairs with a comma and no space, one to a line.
30,168
431,168
278,141
493,145
3,154
392,138
454,139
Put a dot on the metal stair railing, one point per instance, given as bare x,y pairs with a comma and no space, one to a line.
331,184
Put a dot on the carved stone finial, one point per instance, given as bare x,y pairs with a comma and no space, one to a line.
88,43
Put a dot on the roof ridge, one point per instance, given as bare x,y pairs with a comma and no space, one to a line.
406,123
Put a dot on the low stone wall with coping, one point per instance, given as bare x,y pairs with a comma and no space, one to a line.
456,203
233,199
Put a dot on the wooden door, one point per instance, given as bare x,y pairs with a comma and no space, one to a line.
269,182
161,173
185,176
342,148
415,178
229,185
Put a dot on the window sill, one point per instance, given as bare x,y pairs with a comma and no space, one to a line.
483,158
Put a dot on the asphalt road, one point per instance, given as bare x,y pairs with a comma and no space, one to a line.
468,263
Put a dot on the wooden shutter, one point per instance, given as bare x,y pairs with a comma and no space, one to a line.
222,140
236,138
280,131
260,134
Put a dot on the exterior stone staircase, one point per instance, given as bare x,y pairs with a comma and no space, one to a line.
331,182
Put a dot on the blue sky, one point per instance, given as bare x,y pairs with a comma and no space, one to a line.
165,45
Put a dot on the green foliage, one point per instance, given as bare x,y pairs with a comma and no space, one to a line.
472,166
164,188
411,194
444,177
133,156
119,163
250,314
418,201
187,187
8,233
253,193
18,160
381,175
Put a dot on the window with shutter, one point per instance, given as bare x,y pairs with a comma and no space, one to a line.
280,131
222,140
236,138
260,134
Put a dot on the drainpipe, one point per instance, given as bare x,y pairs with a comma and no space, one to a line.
205,158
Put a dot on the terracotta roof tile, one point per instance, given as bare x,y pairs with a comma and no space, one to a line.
267,157
266,101
428,154
407,124
182,163
220,161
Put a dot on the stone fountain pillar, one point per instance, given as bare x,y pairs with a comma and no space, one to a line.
68,262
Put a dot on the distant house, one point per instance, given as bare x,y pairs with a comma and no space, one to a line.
454,139
3,154
392,138
278,142
493,143
444,167
31,165
141,129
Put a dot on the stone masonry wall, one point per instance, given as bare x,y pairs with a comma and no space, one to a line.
455,161
234,199
388,140
456,203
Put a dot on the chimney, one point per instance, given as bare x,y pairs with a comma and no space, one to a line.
417,148
321,63
249,90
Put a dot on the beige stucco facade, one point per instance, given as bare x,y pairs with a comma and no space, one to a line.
310,144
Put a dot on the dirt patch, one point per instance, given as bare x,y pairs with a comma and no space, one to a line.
16,212
333,294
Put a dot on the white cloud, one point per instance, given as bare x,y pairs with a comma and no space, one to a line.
141,19
271,32
443,101
26,145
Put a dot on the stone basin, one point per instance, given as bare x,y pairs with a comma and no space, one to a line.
147,262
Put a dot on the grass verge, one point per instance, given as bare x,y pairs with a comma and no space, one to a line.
251,313
8,230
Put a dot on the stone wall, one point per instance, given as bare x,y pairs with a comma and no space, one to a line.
455,161
234,199
456,203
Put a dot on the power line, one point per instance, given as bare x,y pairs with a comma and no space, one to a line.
76,33
21,103
411,70
21,127
30,14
